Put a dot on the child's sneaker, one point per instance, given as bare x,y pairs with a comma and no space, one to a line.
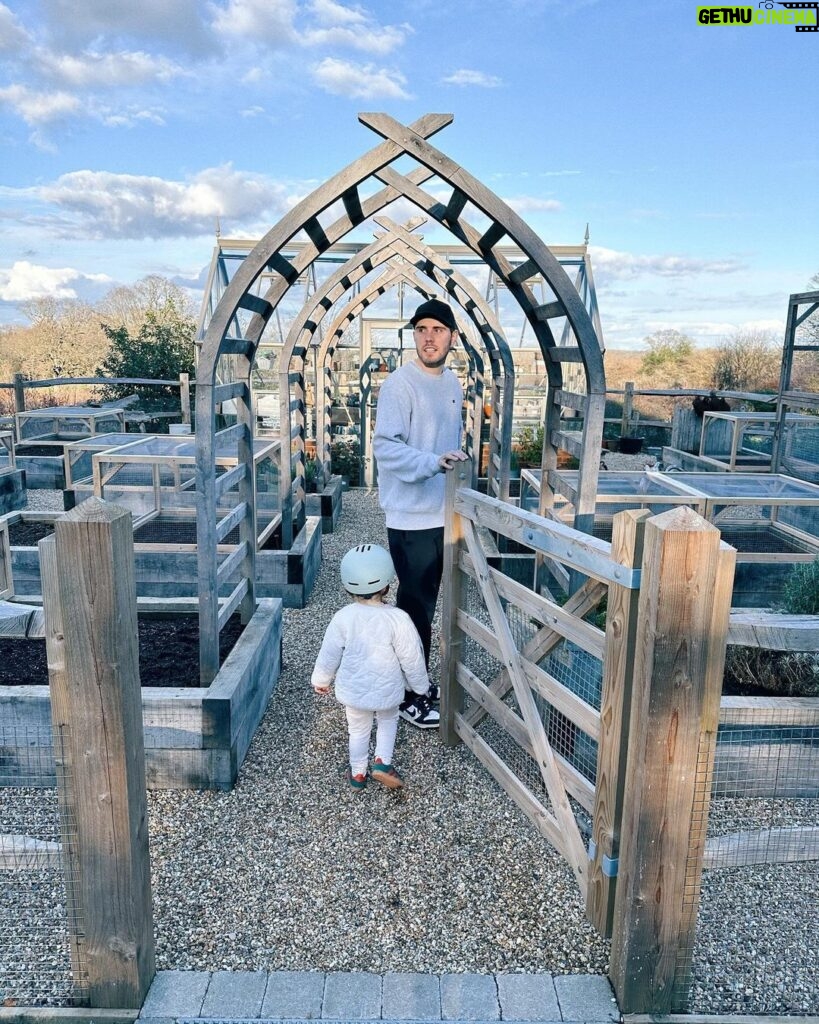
385,774
357,783
420,712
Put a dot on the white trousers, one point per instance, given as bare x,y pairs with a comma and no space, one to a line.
360,724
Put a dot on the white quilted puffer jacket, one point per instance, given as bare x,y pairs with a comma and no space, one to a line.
374,653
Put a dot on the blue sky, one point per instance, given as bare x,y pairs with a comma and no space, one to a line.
691,151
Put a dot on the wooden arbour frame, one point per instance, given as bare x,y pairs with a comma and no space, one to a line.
398,242
801,307
267,256
394,276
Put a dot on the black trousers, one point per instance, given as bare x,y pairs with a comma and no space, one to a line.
418,556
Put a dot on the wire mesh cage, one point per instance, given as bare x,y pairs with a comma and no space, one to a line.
755,950
41,958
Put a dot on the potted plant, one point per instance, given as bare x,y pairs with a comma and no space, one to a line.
631,443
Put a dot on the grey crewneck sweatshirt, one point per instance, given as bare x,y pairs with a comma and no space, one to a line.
418,419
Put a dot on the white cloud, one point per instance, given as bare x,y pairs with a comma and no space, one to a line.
25,281
533,204
359,81
467,76
611,264
373,40
13,36
74,25
37,108
108,69
330,13
104,205
130,117
266,21
273,22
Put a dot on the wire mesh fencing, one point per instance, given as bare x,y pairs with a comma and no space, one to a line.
756,949
41,958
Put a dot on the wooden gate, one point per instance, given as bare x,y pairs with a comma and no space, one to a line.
602,733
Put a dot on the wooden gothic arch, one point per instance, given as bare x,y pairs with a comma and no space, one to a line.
231,334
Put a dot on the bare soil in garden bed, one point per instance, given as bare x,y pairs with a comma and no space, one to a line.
168,653
28,535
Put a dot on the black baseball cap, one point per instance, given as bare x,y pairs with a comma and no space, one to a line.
434,309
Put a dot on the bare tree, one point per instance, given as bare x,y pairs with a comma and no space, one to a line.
748,361
129,307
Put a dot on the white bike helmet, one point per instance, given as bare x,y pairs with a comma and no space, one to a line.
367,569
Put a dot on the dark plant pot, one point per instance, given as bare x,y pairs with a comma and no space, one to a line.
630,445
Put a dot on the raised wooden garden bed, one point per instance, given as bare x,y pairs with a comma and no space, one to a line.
195,738
167,570
326,504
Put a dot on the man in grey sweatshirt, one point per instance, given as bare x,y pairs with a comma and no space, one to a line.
417,439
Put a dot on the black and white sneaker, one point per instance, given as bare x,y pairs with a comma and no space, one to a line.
434,693
420,712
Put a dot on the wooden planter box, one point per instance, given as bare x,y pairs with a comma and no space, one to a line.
327,504
165,571
12,491
194,738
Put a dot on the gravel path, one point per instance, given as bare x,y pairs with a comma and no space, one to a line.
291,871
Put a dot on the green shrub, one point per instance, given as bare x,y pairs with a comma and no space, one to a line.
529,445
800,595
345,459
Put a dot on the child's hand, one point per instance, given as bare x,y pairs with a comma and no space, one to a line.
323,690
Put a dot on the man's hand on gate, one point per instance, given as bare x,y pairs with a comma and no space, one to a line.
448,459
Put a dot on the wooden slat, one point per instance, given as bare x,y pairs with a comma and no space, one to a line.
766,711
524,271
549,614
569,440
563,700
228,480
577,550
230,564
628,531
232,603
281,265
315,232
231,435
534,810
226,392
232,519
352,204
576,784
763,846
455,206
549,311
261,307
565,354
490,238
269,530
776,631
570,399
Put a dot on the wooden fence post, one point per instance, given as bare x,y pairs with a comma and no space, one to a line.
185,396
452,695
684,606
615,712
19,393
89,597
628,409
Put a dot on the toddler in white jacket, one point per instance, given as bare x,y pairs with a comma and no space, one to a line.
373,653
